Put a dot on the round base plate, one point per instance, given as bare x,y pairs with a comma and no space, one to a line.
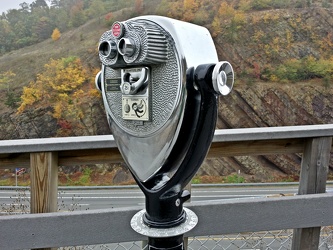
140,227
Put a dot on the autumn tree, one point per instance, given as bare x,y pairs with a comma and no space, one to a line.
109,18
225,13
56,34
171,8
190,8
186,10
67,87
230,19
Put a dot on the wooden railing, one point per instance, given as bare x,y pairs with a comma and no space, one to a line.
309,211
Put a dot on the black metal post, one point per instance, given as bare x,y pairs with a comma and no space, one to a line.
165,220
170,243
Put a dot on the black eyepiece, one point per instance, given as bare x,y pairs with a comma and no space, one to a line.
108,49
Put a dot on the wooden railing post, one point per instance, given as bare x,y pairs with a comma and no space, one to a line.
313,177
44,183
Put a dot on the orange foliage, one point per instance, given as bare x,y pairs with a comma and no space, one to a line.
56,34
64,85
109,16
226,11
190,7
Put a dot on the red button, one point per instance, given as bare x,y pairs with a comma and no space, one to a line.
117,30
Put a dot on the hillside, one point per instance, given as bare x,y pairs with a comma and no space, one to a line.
269,48
26,63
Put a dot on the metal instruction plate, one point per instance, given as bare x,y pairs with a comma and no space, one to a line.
135,108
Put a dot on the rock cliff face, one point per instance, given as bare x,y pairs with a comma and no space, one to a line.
268,39
39,123
36,124
276,104
267,105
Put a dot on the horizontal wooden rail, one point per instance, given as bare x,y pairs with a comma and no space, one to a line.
103,149
112,225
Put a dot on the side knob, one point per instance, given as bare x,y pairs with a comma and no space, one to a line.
98,81
223,78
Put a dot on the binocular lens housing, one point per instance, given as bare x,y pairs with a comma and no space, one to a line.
108,49
126,47
144,82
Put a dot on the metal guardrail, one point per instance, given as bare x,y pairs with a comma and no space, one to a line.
309,211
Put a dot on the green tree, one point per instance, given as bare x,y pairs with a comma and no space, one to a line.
35,22
25,7
43,28
6,82
304,69
77,15
60,18
96,9
38,4
7,37
261,4
55,3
